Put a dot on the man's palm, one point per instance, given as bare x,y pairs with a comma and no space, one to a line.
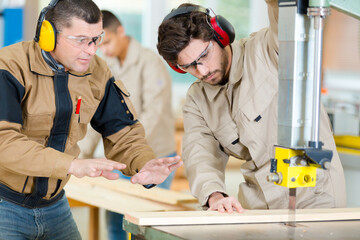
156,170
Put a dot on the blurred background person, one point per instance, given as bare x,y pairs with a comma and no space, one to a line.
149,87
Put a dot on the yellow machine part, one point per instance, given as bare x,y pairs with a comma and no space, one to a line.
293,176
348,144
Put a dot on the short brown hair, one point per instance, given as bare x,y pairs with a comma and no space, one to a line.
110,21
175,33
65,10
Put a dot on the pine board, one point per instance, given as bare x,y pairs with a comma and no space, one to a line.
124,186
248,216
106,198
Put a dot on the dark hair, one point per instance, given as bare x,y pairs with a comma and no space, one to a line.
175,33
110,21
65,10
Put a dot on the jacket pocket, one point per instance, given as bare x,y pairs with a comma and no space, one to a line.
85,114
80,123
259,102
37,125
228,137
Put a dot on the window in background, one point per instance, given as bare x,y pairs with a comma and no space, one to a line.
235,11
11,22
130,14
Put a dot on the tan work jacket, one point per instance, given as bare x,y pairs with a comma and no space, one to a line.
28,110
223,121
149,85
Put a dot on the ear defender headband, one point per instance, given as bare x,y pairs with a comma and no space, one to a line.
45,30
224,32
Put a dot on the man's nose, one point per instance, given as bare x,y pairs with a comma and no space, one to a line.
202,69
92,49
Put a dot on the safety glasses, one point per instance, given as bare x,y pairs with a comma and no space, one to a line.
203,58
84,42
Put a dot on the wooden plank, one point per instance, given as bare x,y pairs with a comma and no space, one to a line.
115,201
249,216
126,187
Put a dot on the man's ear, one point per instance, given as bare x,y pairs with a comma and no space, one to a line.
120,31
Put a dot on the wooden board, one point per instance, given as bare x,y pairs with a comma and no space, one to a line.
248,216
126,187
99,196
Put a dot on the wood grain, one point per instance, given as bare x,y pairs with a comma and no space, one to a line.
116,201
249,216
126,187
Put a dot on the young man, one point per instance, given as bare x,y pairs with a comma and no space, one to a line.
236,84
48,96
149,85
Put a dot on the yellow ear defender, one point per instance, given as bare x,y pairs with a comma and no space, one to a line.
47,38
45,30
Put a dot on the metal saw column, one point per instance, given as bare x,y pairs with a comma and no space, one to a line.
296,49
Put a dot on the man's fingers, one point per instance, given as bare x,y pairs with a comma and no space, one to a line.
110,175
221,208
175,166
168,160
236,205
120,166
114,164
107,165
228,207
101,167
228,204
135,179
239,208
173,160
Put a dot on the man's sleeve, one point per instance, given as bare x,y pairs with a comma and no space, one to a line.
124,136
273,12
204,161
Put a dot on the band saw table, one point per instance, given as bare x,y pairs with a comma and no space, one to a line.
312,224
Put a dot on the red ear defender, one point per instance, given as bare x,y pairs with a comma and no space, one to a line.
223,30
176,69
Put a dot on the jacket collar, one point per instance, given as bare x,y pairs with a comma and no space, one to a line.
39,65
37,62
235,75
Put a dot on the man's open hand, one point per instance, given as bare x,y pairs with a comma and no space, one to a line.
157,170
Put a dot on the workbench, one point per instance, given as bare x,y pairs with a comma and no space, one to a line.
305,231
121,196
252,224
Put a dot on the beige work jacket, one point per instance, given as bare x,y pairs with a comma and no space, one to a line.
27,118
223,121
149,85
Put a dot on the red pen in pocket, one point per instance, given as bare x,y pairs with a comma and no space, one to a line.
77,111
